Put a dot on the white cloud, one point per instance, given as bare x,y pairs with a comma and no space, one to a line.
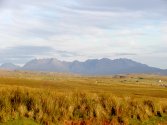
90,29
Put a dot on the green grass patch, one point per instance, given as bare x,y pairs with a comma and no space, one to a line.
20,122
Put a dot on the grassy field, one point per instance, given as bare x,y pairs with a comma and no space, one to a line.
30,98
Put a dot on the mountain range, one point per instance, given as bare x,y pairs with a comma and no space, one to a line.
9,66
103,66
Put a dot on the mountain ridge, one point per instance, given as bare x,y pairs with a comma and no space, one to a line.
104,66
9,66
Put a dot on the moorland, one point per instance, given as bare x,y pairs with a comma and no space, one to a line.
40,98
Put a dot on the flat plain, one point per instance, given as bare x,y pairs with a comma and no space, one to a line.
33,98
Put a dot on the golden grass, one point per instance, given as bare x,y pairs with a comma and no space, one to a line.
51,98
48,107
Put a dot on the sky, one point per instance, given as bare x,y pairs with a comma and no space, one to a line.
84,29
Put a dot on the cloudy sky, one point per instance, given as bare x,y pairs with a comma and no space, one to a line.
82,29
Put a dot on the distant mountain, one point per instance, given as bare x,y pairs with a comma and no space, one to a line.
103,66
50,65
9,66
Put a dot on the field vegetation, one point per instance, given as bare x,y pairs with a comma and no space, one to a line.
31,98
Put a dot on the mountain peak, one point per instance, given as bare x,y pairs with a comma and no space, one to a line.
102,66
9,66
105,59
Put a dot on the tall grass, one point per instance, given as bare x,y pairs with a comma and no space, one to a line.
49,107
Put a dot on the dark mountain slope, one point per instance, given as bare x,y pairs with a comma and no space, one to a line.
103,66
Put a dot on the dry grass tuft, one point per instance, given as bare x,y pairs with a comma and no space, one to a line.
47,107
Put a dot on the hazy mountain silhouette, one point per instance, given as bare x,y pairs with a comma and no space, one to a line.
50,65
9,66
103,66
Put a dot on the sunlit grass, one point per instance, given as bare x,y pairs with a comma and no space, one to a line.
48,98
